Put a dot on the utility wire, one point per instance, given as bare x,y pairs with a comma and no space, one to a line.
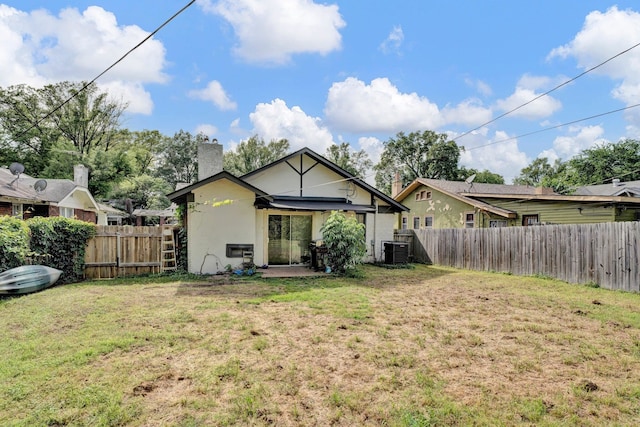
86,85
547,92
554,127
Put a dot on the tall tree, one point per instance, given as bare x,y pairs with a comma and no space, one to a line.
26,137
83,114
254,153
419,154
176,162
484,176
357,163
534,174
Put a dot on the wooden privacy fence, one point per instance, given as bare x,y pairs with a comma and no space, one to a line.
606,254
118,251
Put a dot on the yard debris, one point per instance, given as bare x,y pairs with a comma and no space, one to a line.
596,302
589,386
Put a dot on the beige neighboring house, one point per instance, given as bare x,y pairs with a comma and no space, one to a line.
275,212
25,197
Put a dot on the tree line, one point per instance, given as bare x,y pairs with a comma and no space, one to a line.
52,128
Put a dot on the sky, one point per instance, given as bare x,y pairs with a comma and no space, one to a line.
319,73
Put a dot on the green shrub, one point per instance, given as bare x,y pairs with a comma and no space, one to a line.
62,242
14,242
345,240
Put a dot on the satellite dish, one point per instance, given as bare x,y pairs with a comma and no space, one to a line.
40,185
16,168
470,179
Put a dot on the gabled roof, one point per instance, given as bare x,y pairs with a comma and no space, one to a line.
179,196
629,188
470,193
334,168
57,190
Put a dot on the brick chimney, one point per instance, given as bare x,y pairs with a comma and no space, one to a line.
81,175
209,159
396,185
544,191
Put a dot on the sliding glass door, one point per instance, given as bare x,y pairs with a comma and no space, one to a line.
289,238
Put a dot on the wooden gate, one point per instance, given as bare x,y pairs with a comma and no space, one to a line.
118,251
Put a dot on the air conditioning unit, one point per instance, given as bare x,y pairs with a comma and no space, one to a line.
396,252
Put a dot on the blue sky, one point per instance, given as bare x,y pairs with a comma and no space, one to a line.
347,71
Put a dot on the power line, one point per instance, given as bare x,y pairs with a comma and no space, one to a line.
554,127
547,92
86,85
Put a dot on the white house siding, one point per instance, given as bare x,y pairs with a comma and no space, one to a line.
319,181
211,228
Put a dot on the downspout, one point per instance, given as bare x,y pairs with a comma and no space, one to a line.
375,227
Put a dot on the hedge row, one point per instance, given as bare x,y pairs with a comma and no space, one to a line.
56,242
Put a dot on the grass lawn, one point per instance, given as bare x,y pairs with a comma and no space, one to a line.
407,347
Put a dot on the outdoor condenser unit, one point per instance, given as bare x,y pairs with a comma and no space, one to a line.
396,252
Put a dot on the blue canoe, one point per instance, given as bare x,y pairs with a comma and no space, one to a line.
27,279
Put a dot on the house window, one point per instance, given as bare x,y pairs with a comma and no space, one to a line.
67,212
423,195
362,219
236,250
469,220
497,223
17,210
416,222
405,221
428,221
528,220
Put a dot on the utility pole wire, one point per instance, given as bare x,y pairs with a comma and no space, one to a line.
547,92
86,85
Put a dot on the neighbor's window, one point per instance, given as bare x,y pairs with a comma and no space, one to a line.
528,220
67,212
418,196
427,195
416,222
497,223
428,221
405,221
362,219
17,210
469,220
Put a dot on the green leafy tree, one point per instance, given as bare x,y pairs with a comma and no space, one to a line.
357,163
254,153
345,240
26,138
144,192
177,158
83,115
535,173
419,154
484,176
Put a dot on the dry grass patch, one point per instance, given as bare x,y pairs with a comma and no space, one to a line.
417,347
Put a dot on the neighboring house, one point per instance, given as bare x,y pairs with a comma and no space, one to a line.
155,216
616,188
275,212
450,204
20,196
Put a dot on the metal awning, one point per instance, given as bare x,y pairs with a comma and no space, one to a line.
304,205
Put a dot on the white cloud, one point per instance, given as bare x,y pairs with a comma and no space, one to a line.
271,31
355,106
469,113
215,93
206,129
568,146
276,120
602,36
480,155
393,42
526,90
138,100
39,48
481,87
